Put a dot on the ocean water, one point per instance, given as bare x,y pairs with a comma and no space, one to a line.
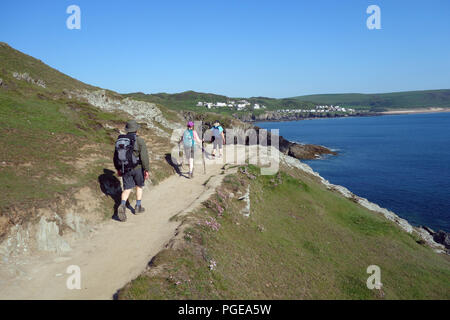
401,162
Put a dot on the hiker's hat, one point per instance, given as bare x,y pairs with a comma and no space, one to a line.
190,124
132,126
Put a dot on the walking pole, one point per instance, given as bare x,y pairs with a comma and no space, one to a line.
180,155
203,157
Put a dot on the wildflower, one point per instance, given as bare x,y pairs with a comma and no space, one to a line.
212,264
213,224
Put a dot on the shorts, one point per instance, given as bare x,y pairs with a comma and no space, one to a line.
189,152
133,178
218,142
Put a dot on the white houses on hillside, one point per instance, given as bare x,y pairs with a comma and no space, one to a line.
239,105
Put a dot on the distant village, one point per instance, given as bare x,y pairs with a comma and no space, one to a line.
238,105
319,109
245,105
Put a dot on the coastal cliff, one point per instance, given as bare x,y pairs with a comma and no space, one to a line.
252,135
282,116
307,239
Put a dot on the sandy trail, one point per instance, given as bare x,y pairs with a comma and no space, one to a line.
117,252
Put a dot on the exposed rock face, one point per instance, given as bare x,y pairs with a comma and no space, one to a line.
308,151
440,237
443,238
48,237
246,197
254,135
17,243
296,150
26,77
141,111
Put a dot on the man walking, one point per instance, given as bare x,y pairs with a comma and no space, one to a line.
132,164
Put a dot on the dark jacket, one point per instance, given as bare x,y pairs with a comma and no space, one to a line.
140,150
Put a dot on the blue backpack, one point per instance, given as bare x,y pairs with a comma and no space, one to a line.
188,138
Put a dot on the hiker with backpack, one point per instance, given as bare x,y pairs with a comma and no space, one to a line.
132,164
189,138
218,138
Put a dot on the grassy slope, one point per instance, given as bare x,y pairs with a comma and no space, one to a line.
15,61
46,137
395,100
300,242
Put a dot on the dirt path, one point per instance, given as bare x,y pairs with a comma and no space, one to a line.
117,252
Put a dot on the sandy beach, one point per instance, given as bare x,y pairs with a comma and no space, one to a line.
411,111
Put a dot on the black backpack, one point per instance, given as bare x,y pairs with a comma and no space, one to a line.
125,155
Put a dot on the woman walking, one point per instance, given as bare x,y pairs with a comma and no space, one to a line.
189,138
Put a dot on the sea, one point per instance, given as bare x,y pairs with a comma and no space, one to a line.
400,162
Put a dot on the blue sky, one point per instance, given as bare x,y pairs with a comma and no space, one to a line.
239,48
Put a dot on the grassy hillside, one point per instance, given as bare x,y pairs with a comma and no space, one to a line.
395,100
51,145
15,61
373,102
188,101
301,241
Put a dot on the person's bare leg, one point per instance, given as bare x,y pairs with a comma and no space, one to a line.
191,167
126,194
139,192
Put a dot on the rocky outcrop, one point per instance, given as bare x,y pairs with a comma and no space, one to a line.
441,236
141,111
48,237
297,150
308,151
26,77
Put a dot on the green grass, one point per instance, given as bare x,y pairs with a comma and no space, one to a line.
301,241
42,139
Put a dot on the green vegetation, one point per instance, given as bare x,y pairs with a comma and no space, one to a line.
51,145
300,242
384,101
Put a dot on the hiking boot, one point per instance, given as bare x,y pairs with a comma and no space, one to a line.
121,213
191,174
139,210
